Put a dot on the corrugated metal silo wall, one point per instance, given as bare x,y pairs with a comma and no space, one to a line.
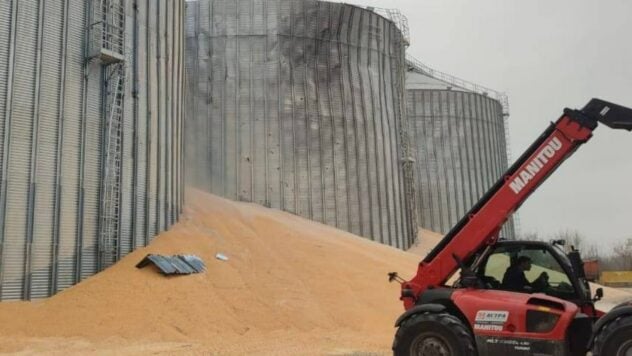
51,134
461,152
297,105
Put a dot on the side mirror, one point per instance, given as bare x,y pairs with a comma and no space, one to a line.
598,295
394,277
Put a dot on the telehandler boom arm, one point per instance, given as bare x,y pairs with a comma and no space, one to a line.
481,225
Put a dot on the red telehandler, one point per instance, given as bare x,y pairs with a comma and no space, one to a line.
514,297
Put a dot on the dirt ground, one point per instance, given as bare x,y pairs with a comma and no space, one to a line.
290,287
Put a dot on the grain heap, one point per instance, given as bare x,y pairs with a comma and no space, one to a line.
290,286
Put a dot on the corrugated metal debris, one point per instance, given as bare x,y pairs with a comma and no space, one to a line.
178,264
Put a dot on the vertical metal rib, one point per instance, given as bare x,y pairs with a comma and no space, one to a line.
28,260
7,140
54,272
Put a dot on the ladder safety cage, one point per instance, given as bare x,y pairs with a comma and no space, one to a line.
112,163
106,31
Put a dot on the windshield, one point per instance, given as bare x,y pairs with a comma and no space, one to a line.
527,269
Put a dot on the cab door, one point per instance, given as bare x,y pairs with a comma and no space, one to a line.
493,268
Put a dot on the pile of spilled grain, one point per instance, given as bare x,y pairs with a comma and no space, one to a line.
290,286
426,241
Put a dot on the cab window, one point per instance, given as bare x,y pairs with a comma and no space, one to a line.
527,269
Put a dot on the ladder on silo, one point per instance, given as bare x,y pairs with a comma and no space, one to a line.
107,45
112,163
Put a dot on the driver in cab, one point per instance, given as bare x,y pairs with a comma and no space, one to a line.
516,281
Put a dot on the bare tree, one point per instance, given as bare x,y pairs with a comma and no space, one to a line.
573,238
530,236
591,252
622,255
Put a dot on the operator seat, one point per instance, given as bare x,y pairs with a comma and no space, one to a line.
490,282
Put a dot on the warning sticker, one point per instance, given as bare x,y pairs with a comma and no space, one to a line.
490,320
491,316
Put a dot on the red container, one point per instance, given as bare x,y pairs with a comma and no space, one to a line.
591,269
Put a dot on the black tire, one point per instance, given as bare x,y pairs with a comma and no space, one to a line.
430,334
614,338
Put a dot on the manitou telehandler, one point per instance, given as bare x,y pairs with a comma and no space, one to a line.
547,309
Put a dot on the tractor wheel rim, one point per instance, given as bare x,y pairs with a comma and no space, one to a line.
425,345
625,349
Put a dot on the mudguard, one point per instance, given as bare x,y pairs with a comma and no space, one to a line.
423,308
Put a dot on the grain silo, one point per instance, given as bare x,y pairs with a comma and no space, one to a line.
298,105
458,131
90,125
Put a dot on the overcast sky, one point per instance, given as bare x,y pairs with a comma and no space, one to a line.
547,55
